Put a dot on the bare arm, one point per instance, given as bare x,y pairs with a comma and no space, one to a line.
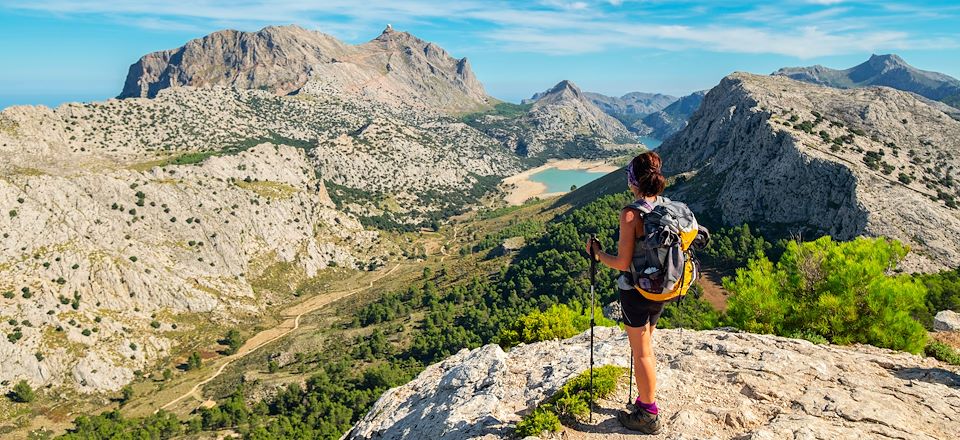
628,225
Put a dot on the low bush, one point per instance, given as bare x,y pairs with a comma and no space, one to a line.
942,352
571,401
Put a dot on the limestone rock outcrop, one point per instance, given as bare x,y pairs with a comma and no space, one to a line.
712,384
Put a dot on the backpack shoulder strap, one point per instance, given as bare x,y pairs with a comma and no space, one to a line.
643,206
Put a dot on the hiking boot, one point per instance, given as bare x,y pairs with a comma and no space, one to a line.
640,420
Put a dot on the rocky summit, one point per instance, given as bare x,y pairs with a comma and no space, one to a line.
560,121
711,384
395,68
809,160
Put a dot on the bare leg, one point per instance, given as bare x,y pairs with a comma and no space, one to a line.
645,365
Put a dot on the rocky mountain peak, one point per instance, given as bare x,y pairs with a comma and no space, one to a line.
275,58
566,86
564,90
390,34
887,60
396,68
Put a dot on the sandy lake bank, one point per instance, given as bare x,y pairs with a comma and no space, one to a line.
520,188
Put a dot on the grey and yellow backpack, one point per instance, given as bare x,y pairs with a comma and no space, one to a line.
664,266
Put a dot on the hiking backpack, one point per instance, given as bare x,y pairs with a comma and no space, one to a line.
665,266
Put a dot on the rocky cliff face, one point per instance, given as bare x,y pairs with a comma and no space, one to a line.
882,70
873,161
558,122
396,68
712,384
276,58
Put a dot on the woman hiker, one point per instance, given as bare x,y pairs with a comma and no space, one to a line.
639,314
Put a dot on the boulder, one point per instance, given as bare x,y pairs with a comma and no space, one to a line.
946,321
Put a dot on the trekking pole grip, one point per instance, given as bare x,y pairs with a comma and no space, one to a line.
593,258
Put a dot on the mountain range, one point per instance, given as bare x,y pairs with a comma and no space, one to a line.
230,161
882,70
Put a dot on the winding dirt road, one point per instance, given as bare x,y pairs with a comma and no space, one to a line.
293,315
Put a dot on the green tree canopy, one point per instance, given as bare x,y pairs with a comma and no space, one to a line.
842,291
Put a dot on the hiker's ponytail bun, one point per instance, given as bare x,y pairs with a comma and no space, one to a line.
646,175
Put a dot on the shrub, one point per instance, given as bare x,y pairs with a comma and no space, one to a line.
126,393
558,322
233,341
840,291
194,362
571,401
942,352
537,422
22,392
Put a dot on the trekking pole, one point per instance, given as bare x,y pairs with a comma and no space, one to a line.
630,383
593,282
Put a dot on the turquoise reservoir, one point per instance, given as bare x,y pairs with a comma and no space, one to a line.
650,142
561,180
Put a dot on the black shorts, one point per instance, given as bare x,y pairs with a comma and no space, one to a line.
639,311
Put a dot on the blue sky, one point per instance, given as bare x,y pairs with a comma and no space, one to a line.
79,50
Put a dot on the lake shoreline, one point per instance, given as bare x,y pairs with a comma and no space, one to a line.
520,188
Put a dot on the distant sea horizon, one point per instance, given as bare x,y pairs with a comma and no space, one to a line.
52,100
